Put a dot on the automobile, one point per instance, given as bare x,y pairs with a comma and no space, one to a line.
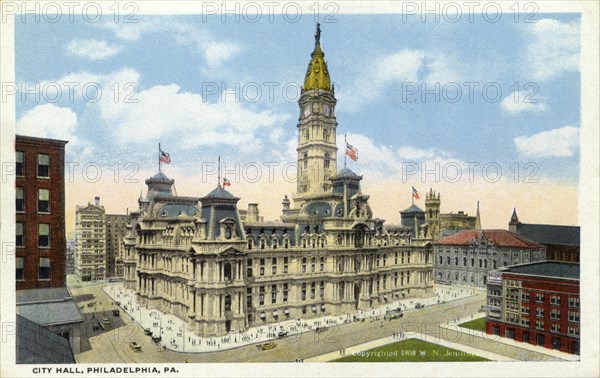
156,339
266,346
393,315
282,334
148,332
116,312
135,346
419,305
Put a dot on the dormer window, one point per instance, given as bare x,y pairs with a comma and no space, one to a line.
228,232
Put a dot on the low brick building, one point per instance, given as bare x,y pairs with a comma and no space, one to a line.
536,303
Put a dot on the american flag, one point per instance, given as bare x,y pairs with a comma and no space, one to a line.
165,157
415,193
351,151
226,182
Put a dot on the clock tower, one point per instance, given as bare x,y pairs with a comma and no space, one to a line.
317,148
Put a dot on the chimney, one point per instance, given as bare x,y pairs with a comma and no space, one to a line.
252,215
97,201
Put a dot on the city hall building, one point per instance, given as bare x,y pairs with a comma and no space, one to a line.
198,258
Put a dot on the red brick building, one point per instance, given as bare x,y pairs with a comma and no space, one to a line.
536,303
40,213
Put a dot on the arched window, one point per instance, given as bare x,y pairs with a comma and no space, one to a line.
228,232
327,160
305,158
227,271
326,135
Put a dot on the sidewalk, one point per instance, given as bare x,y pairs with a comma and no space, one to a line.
176,337
409,335
455,326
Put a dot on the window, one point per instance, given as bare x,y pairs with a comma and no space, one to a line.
43,201
43,168
20,266
228,232
555,314
304,265
44,269
313,262
525,296
322,264
20,234
44,235
20,161
464,261
20,203
441,260
573,331
573,301
574,316
472,263
261,295
304,291
539,325
305,158
285,292
539,298
322,289
539,312
249,268
273,294
327,160
555,300
525,322
555,328
312,290
274,269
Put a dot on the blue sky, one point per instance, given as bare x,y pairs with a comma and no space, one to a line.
373,59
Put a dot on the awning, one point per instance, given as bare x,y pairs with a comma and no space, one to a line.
262,315
274,312
286,311
322,307
314,308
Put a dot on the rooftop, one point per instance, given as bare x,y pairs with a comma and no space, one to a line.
413,209
550,234
38,345
500,238
48,306
546,269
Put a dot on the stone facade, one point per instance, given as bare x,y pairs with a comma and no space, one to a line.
199,259
467,257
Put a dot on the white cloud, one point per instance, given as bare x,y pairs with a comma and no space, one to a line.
417,154
553,48
49,121
561,142
407,66
518,102
92,49
215,52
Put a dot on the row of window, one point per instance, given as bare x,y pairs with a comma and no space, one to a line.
483,263
43,268
43,165
43,201
43,235
555,300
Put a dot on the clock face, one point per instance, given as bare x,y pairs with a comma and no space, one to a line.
327,110
316,107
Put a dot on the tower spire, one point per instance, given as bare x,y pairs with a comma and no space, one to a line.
317,76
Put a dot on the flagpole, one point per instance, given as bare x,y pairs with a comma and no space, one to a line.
219,171
159,167
345,147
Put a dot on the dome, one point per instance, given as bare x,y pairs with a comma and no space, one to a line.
219,192
413,209
346,172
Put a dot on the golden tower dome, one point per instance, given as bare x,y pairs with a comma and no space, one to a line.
317,75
